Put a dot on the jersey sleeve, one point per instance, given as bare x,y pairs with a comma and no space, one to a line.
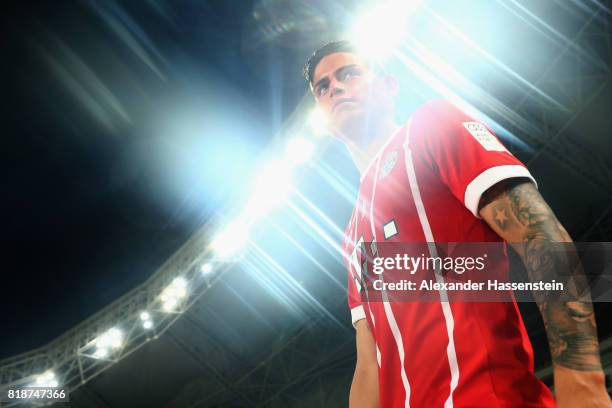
354,285
354,299
467,155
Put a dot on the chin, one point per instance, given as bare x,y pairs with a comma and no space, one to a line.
351,125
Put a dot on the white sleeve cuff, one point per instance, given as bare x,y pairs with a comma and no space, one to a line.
357,313
489,178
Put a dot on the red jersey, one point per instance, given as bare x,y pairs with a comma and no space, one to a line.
424,185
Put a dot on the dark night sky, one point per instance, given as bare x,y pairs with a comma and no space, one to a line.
78,233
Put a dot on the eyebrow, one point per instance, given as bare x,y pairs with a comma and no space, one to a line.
336,73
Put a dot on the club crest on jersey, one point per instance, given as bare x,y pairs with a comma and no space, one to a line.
388,164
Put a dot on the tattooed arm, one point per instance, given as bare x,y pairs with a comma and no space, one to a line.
516,211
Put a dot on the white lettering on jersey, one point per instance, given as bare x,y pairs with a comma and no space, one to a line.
484,137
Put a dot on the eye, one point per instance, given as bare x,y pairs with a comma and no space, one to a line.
348,73
321,90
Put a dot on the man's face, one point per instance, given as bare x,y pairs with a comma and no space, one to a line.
349,93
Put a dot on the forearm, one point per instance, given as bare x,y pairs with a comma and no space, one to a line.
572,335
569,320
364,389
519,214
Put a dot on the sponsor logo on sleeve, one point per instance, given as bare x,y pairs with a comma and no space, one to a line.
484,137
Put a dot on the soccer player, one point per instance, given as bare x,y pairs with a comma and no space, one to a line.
444,177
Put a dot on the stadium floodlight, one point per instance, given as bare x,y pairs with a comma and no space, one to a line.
231,238
298,151
169,304
113,338
108,341
46,380
147,323
100,353
377,32
317,122
206,268
173,294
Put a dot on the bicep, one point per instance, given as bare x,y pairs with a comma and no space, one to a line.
517,212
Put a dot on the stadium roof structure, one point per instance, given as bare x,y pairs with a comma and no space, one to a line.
225,345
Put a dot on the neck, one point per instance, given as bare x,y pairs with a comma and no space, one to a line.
364,149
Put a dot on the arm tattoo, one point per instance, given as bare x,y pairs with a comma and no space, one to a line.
515,209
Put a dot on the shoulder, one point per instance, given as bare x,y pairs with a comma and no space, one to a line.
438,122
431,121
438,113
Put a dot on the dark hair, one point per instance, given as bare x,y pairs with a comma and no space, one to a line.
332,48
327,49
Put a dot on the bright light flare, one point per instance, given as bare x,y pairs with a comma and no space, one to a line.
231,238
206,268
169,305
46,379
299,151
379,31
317,122
272,187
100,353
